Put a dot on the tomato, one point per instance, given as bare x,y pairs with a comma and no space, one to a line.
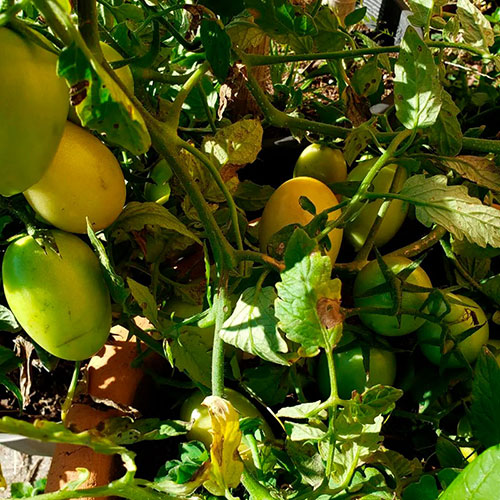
124,73
321,162
33,107
350,370
184,310
83,180
358,229
458,320
283,208
193,411
61,301
159,192
371,276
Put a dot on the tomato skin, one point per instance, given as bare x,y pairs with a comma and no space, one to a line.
61,301
83,180
321,162
458,320
350,371
193,411
33,107
358,229
371,276
283,208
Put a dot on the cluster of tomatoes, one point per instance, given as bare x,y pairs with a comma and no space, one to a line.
68,176
455,315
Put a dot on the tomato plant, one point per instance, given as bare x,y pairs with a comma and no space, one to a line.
283,208
371,277
82,164
59,297
34,108
321,162
465,314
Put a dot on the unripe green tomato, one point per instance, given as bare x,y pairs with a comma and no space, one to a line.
283,208
458,320
351,374
184,310
193,411
358,229
321,162
83,180
159,192
61,301
33,107
370,277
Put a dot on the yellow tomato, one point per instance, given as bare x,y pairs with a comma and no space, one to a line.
283,208
124,73
83,180
33,108
321,162
358,229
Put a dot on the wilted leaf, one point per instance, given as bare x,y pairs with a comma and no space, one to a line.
417,88
477,30
453,208
252,327
482,171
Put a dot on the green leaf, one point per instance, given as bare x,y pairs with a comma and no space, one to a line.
485,407
491,287
356,142
446,135
8,322
417,88
303,432
23,490
114,281
302,411
453,208
375,401
217,46
137,215
237,144
448,453
422,12
275,17
223,7
307,460
366,79
355,16
100,103
9,385
257,379
480,480
308,307
252,327
476,29
250,196
424,489
145,299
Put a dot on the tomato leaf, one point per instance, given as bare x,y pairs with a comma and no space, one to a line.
145,299
485,407
446,135
250,196
491,287
417,88
304,289
375,401
366,79
304,432
217,46
252,327
480,480
476,29
424,489
422,12
355,16
302,411
480,170
101,104
453,208
307,460
8,322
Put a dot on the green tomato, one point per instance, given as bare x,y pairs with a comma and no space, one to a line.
159,192
61,301
184,310
358,229
351,374
370,277
33,107
321,162
461,317
193,411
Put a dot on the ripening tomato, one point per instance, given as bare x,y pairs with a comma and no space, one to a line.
350,370
83,180
370,277
33,107
462,317
61,301
358,229
321,162
193,411
283,208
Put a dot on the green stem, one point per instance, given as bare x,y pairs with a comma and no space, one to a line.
88,27
420,245
332,410
254,488
71,392
220,305
261,258
206,107
214,172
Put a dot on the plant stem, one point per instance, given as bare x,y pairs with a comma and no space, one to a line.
220,305
88,27
254,488
206,107
71,392
148,74
420,245
262,258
